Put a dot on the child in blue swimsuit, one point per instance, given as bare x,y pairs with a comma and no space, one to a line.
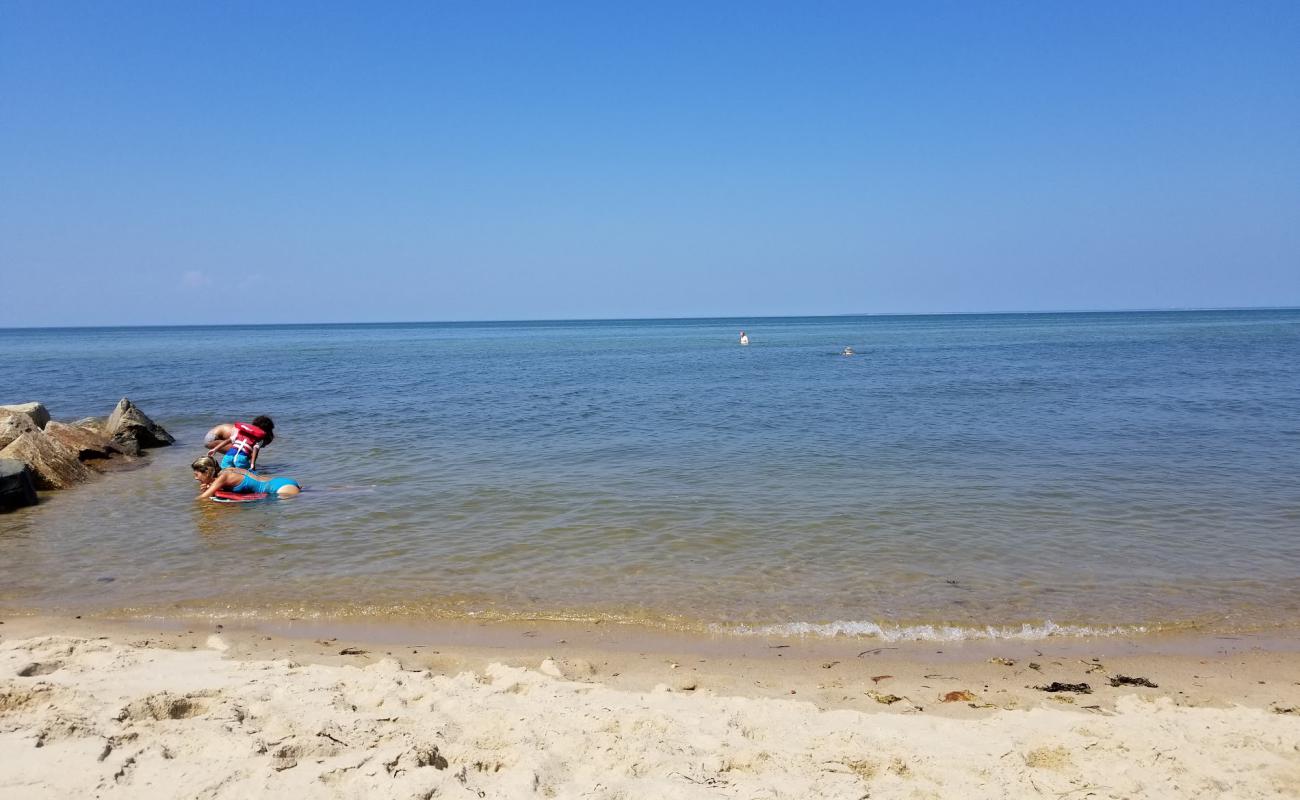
209,475
240,442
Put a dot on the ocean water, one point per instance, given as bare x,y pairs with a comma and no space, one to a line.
961,476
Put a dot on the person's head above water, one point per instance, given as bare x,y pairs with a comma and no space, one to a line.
267,425
205,469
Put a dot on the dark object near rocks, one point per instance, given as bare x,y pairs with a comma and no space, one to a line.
36,412
1124,680
1057,686
53,466
14,425
352,651
85,443
16,486
128,425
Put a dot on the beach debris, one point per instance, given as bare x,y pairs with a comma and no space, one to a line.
1035,666
883,699
1125,680
959,696
879,678
1286,709
1006,662
875,651
1092,666
1057,686
829,664
936,676
352,651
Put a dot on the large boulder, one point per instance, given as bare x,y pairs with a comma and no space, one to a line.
16,486
53,465
82,441
14,425
128,425
36,412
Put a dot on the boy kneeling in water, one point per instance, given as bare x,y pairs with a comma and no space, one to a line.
240,441
213,479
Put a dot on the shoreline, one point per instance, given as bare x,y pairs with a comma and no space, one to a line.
830,672
219,711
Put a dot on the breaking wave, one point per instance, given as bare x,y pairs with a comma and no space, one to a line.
929,633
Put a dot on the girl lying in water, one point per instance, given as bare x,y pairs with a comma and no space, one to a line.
213,479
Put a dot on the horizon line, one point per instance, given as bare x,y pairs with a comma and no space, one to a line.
1192,309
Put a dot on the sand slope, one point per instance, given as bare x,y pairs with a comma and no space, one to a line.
85,717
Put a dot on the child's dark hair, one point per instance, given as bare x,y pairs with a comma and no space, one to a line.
267,425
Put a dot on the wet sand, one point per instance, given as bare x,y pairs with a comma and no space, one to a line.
175,709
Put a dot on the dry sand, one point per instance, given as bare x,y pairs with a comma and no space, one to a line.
113,711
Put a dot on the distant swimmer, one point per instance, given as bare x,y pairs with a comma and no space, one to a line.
848,351
744,338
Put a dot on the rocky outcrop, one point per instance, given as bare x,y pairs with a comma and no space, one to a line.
16,486
128,426
14,425
86,443
49,455
53,465
36,412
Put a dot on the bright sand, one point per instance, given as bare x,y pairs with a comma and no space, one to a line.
105,710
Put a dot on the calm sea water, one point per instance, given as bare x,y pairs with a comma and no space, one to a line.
960,476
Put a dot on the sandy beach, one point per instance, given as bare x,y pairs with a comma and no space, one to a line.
110,710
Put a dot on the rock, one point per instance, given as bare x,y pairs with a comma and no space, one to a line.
35,412
53,466
95,424
129,424
16,486
14,425
85,443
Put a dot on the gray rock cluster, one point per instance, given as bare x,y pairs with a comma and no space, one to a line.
38,453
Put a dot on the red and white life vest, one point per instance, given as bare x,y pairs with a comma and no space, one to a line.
246,438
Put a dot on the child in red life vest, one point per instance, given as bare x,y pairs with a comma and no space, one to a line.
240,441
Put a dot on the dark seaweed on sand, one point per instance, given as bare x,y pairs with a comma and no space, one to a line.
1057,686
1124,680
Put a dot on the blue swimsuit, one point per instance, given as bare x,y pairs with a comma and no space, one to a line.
237,459
251,485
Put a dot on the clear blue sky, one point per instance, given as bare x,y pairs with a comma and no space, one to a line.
173,162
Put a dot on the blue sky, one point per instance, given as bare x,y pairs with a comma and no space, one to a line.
279,162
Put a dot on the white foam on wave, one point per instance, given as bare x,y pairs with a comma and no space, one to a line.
927,633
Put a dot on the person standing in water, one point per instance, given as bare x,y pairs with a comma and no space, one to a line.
744,338
240,442
212,478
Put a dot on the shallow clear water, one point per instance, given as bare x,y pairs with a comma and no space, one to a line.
1094,470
